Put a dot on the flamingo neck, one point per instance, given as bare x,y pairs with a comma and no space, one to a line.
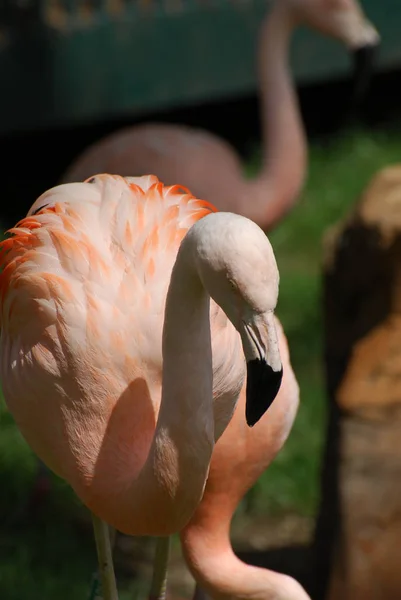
174,475
186,419
160,499
273,192
210,557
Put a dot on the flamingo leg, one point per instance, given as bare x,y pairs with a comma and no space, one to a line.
96,587
105,559
159,580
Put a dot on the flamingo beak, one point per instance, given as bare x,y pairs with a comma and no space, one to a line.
364,63
262,386
264,367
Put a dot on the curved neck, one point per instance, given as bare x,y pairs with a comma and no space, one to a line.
284,146
161,500
210,557
184,437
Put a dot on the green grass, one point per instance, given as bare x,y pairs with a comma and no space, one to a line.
53,556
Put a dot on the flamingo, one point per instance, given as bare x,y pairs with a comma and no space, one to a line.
130,314
209,166
240,456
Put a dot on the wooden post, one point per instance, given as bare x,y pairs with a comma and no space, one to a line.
362,314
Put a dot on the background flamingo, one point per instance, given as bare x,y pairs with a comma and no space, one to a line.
129,420
207,165
239,458
284,164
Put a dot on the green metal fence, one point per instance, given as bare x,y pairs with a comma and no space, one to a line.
65,62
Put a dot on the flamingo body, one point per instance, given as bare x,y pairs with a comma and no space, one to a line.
177,152
207,164
83,297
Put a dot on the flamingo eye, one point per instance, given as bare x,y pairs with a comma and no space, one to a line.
232,284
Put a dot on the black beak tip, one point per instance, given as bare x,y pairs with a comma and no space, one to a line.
262,387
364,60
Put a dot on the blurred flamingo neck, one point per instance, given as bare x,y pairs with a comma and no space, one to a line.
284,144
212,562
204,541
208,552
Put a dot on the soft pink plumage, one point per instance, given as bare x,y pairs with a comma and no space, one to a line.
95,270
83,300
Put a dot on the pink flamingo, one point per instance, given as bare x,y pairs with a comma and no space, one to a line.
239,458
209,166
127,309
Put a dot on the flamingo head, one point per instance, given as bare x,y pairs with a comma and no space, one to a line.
237,267
346,22
343,20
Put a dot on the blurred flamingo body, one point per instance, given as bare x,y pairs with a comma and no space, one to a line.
209,166
124,407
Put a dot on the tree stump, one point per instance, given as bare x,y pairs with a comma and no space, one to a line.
362,314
